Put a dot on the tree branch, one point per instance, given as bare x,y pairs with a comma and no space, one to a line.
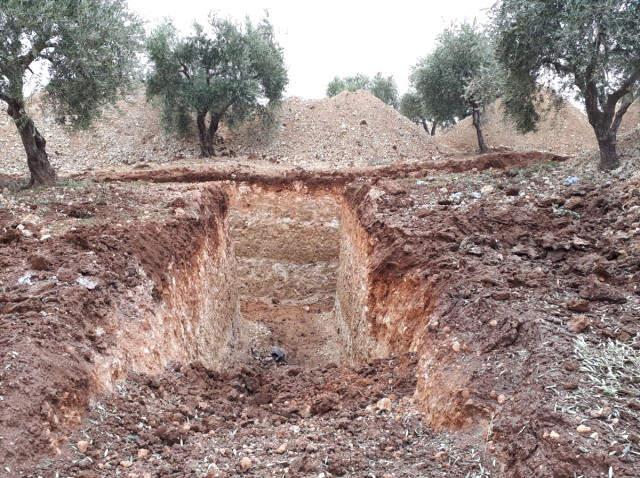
625,88
185,70
617,119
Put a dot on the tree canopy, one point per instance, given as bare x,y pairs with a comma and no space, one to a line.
412,106
382,87
221,71
592,46
457,79
87,50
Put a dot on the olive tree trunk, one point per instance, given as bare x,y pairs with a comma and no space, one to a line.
207,133
432,132
477,123
607,143
42,173
606,116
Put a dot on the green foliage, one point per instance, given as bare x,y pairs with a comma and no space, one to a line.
411,106
87,47
382,87
591,45
459,73
224,69
348,83
385,89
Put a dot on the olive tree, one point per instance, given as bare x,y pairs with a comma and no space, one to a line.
592,46
385,89
86,49
453,80
382,87
222,71
413,108
348,83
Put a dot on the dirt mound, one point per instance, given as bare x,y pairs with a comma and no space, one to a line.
564,130
631,119
128,133
352,128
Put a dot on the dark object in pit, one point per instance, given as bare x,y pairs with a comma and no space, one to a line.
278,355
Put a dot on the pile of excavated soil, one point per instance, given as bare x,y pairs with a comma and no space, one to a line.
350,128
563,130
128,133
530,287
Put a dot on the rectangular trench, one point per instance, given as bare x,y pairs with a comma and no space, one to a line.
287,245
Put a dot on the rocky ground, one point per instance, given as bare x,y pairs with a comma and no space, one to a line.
532,283
503,289
268,420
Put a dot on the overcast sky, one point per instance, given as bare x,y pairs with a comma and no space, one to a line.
322,39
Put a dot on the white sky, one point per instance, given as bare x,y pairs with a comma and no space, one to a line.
325,38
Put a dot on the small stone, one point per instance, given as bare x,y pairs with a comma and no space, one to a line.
83,446
281,449
456,346
126,463
440,456
493,323
502,398
554,435
579,324
383,405
86,283
143,453
574,202
583,429
571,365
305,411
39,263
501,295
246,463
578,306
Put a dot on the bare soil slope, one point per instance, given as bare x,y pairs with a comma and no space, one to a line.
350,128
129,133
564,131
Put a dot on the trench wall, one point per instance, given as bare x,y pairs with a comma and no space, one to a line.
189,310
386,306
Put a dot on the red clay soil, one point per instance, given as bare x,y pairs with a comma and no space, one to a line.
286,420
494,293
494,280
324,178
61,277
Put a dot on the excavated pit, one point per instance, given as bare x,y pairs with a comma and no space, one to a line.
287,245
